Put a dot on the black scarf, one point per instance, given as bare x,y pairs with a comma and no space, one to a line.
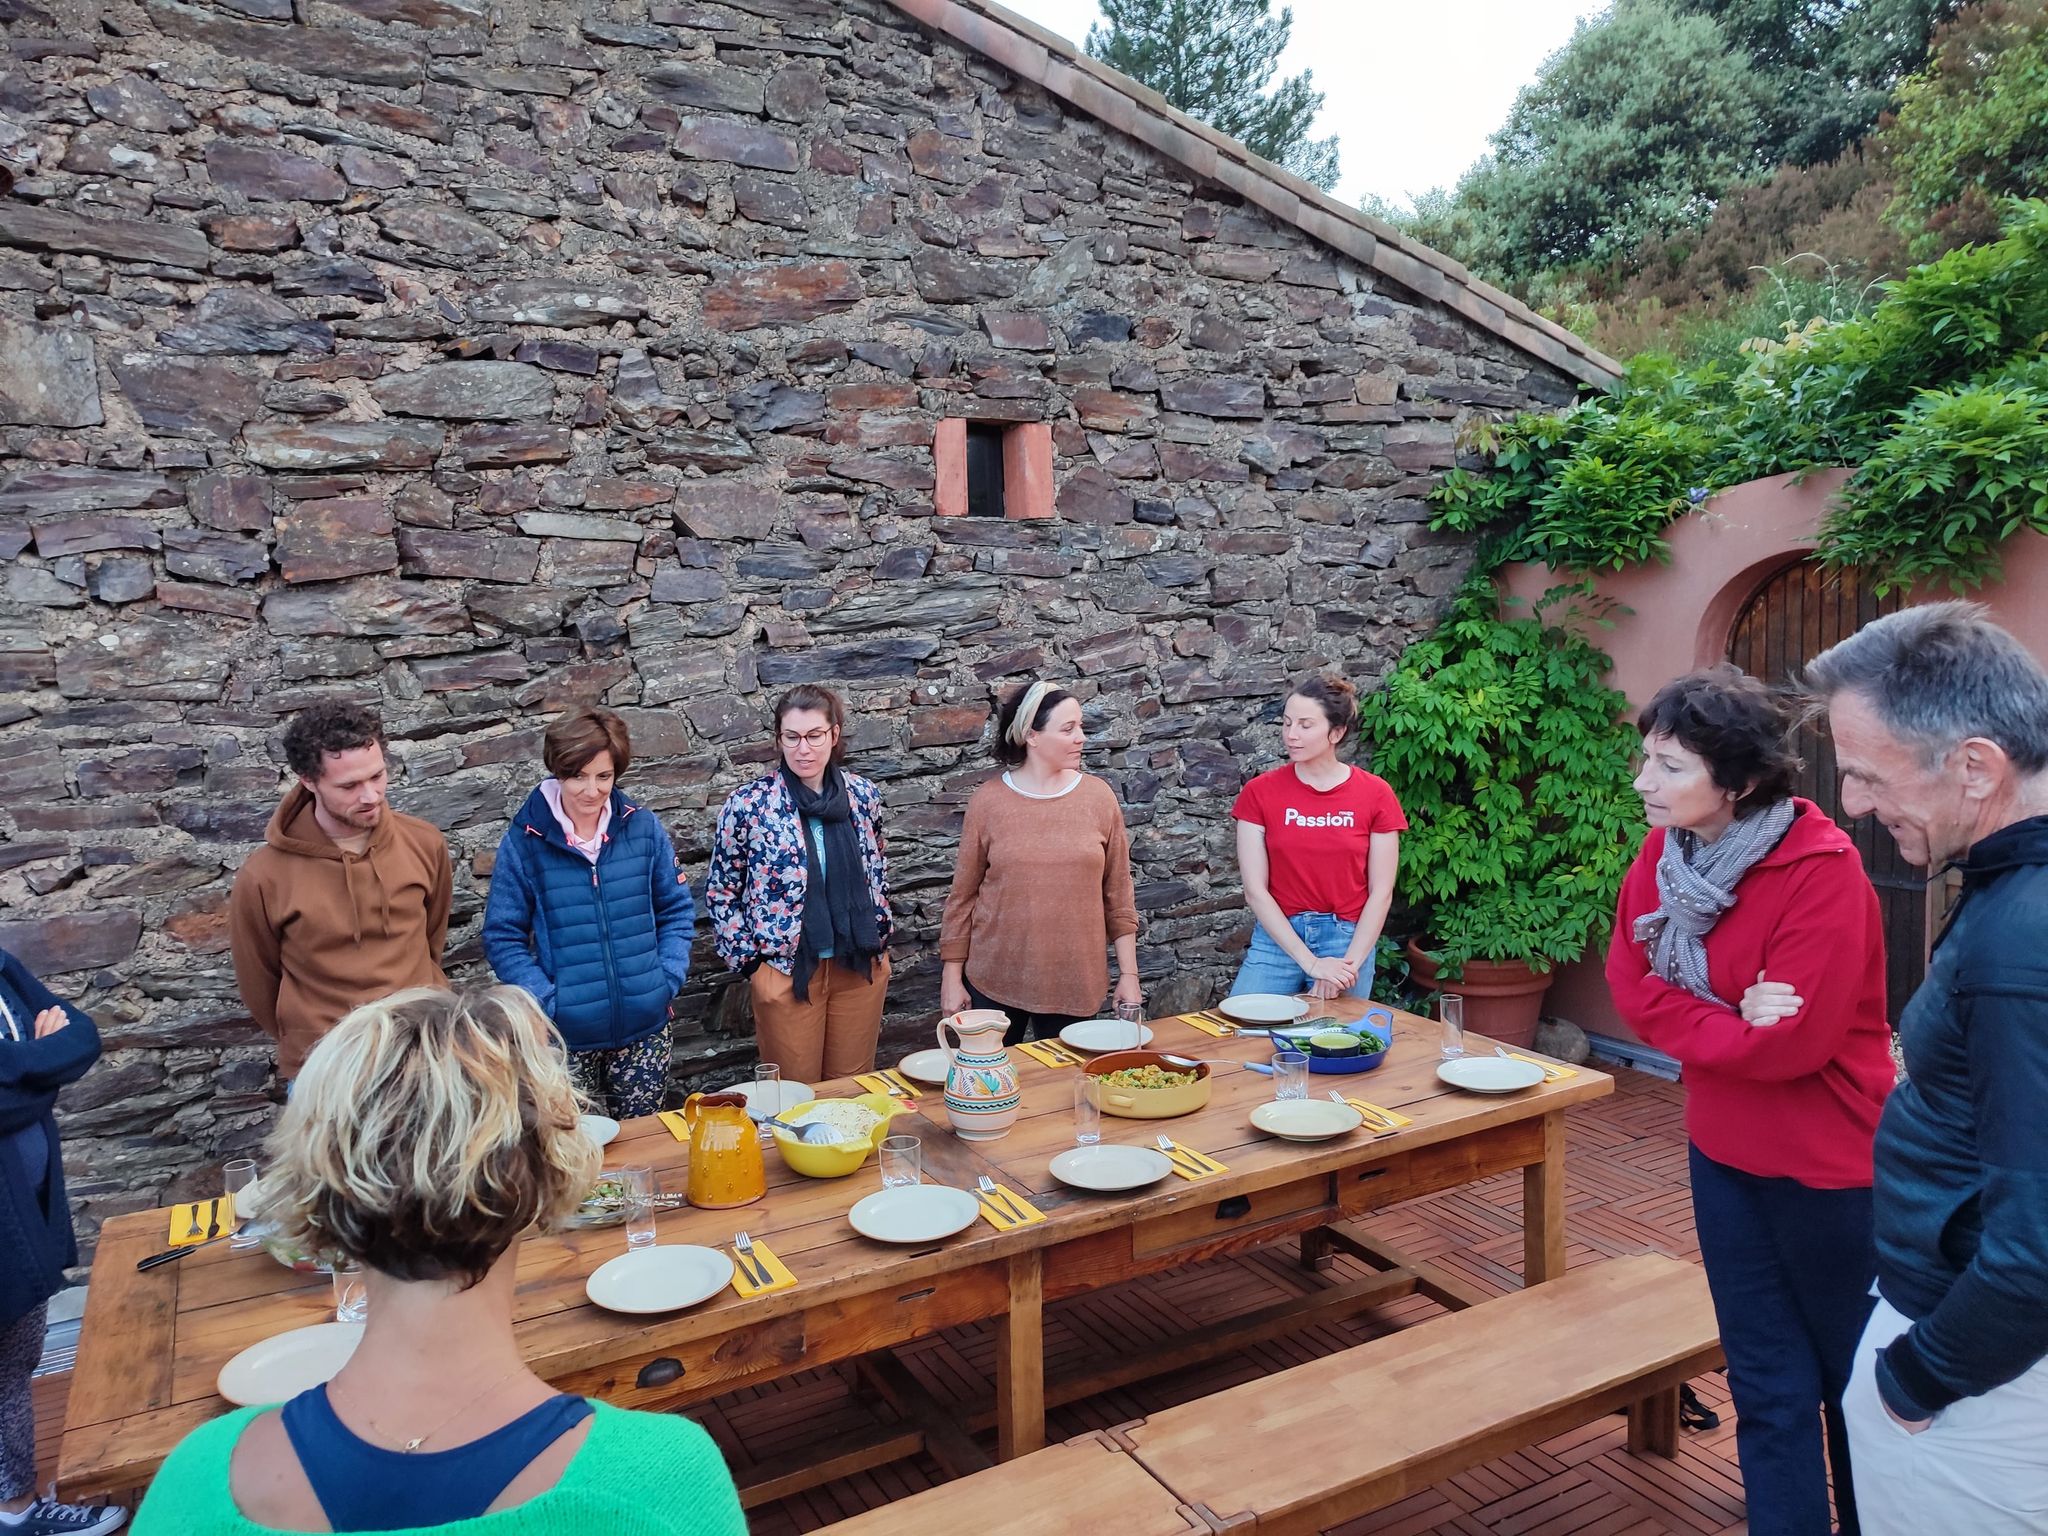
837,909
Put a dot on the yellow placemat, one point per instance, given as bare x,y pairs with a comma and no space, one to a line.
672,1120
1388,1120
1553,1072
881,1082
1190,1164
1039,1052
748,1267
195,1220
1206,1026
1005,1208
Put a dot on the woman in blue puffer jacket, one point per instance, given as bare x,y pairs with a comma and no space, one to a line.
590,914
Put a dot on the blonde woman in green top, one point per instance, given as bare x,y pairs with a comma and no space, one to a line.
425,1134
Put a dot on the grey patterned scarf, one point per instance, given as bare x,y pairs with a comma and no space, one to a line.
1695,884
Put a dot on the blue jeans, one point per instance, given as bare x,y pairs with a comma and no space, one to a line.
1269,968
1790,1271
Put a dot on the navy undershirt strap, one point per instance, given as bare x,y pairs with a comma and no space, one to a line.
363,1487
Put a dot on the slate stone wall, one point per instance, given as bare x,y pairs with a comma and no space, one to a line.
475,358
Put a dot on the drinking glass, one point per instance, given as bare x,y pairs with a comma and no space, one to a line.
902,1160
765,1102
1290,1075
351,1294
1132,1014
1087,1109
1451,1009
236,1177
639,1183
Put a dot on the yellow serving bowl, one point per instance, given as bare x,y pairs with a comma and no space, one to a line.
1149,1103
834,1162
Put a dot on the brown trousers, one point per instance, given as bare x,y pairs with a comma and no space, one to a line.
831,1035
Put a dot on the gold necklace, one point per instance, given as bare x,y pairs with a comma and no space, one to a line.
419,1440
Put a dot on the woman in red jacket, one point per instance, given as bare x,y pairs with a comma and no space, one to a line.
1748,945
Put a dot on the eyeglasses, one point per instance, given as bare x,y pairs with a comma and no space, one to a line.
816,738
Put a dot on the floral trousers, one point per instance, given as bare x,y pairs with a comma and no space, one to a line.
627,1082
21,1349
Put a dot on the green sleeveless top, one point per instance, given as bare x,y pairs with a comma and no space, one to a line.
636,1474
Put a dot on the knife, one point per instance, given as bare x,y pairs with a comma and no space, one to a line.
213,1220
174,1253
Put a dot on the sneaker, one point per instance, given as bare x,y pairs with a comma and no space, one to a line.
46,1517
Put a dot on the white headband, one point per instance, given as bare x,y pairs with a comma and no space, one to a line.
1020,723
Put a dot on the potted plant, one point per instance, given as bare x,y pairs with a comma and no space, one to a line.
1512,761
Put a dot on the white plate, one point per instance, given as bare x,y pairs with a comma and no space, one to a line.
762,1104
1106,1166
914,1213
664,1278
1490,1074
602,1129
925,1067
1262,1008
1306,1119
281,1368
1099,1035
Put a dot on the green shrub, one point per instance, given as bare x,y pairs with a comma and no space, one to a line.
1965,470
1597,485
1509,755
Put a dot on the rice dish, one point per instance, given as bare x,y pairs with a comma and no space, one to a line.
845,1123
1149,1077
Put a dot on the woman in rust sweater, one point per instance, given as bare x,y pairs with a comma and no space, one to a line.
1043,887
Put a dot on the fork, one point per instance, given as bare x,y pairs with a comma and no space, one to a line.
198,1227
1183,1156
1373,1120
757,1272
994,1197
1217,1019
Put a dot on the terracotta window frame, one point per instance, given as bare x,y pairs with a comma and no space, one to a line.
1027,468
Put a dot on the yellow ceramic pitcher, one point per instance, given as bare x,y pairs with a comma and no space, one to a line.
725,1151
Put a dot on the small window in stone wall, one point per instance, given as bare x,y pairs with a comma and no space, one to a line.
992,469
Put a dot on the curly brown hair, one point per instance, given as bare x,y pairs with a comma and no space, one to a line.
1740,728
332,725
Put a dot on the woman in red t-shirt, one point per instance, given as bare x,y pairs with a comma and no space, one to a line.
1318,844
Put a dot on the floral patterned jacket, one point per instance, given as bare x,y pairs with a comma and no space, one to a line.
754,893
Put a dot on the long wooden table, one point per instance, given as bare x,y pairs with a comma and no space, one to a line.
153,1343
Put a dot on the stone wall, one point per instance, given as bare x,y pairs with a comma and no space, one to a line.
473,358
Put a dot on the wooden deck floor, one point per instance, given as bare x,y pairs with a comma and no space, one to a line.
1627,1193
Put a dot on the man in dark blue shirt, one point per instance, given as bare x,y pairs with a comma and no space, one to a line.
1940,726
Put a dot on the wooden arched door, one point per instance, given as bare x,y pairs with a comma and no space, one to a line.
1791,619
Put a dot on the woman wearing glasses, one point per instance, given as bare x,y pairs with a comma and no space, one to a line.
799,896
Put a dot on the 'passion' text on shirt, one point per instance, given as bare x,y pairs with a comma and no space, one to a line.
1294,818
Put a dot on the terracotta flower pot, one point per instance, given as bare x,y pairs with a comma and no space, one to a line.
1503,998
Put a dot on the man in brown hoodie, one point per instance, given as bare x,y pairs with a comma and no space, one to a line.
348,899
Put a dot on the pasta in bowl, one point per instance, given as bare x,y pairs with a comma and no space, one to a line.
1149,1085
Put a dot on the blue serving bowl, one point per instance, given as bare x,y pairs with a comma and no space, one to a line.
1365,1061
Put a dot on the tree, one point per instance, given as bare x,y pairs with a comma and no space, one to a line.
1213,60
1632,129
1973,130
1829,67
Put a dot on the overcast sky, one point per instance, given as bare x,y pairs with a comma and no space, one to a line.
1410,89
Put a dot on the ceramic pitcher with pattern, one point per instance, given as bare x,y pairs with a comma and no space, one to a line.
982,1096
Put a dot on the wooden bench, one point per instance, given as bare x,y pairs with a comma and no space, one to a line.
1083,1485
1358,1430
1352,1432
